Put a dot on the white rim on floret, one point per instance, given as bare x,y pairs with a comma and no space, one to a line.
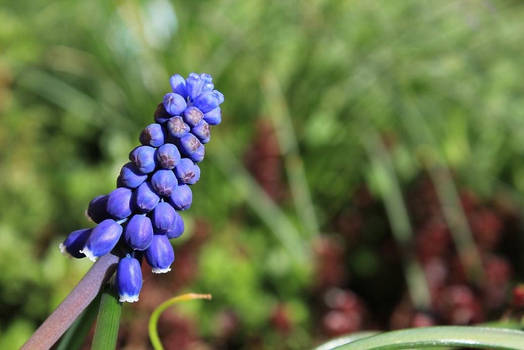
159,270
87,252
88,217
128,298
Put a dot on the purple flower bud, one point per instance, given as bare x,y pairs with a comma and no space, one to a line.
145,199
167,156
219,96
97,209
163,218
130,176
152,135
163,182
176,127
103,239
144,158
185,171
160,254
119,182
194,179
199,154
129,279
202,131
208,101
191,146
207,83
161,115
119,203
207,78
213,117
181,197
194,85
178,227
75,242
174,103
193,116
178,84
139,232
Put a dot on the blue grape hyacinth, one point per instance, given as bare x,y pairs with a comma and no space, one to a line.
138,218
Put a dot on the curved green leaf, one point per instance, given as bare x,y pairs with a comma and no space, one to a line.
452,336
343,340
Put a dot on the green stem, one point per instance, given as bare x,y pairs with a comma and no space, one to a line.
108,321
153,320
431,337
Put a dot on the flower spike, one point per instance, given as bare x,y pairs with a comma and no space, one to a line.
141,215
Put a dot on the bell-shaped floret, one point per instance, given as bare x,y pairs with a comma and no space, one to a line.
160,254
75,242
102,239
181,197
167,156
176,127
163,218
144,158
119,203
163,182
214,116
202,131
193,116
209,100
130,176
186,172
194,85
174,103
178,85
144,198
161,115
152,135
129,279
138,232
178,227
97,209
192,147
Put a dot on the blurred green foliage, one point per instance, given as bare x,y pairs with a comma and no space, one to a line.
442,80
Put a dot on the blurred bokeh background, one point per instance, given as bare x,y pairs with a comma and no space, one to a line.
368,172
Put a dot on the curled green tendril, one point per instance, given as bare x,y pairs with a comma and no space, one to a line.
153,320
